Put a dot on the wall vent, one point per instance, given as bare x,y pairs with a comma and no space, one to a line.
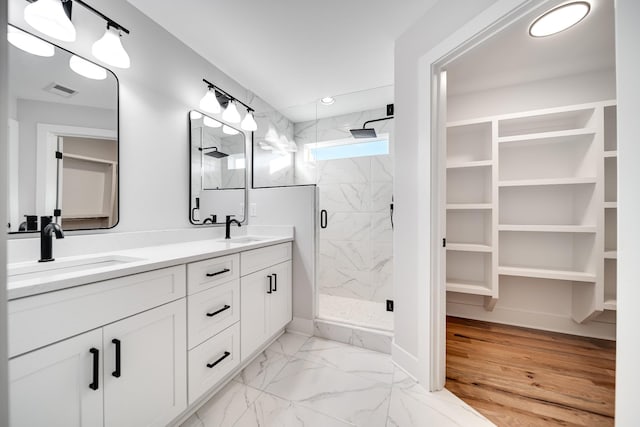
60,90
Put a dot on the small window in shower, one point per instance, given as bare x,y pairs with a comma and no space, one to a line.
344,149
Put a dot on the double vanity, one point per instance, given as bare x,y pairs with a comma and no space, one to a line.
141,337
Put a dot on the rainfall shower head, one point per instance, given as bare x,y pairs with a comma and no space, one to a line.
366,132
215,153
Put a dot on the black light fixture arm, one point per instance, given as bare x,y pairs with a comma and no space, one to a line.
376,120
226,94
110,22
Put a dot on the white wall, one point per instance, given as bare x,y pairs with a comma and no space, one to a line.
628,344
412,183
293,206
4,408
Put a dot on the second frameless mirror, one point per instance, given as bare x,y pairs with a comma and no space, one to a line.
218,171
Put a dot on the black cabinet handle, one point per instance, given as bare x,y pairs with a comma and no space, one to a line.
226,307
323,218
224,356
117,372
275,282
96,368
226,270
270,284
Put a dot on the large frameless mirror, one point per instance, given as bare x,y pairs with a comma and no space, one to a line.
218,171
63,138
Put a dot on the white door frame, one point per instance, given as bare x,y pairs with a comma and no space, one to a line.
432,220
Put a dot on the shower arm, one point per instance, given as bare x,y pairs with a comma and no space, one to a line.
375,120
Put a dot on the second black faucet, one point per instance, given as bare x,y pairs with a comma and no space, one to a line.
227,226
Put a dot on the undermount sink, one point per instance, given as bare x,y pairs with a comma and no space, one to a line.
31,270
244,239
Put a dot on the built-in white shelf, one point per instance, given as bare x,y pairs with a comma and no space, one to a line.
611,254
474,164
543,273
469,206
468,287
611,205
468,247
549,181
549,228
610,303
557,137
612,153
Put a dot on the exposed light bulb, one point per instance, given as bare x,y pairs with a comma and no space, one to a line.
209,122
231,113
229,130
195,115
49,17
209,102
559,19
29,43
109,49
249,123
87,69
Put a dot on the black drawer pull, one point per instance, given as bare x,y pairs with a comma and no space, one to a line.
270,291
224,356
226,307
96,368
275,282
117,372
226,270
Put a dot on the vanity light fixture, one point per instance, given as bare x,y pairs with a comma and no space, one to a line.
87,69
49,17
215,99
28,43
53,18
327,100
559,19
209,122
231,114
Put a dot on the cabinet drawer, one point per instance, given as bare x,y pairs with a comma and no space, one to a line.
211,272
212,360
43,319
258,259
212,311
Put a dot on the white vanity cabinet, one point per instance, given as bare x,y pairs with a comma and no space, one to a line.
128,372
266,295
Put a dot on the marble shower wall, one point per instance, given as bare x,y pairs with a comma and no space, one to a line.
356,248
272,168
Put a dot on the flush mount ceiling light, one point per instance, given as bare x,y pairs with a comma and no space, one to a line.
53,18
327,100
109,49
87,69
559,19
29,43
209,122
215,98
50,18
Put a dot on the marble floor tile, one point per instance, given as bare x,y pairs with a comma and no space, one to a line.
271,411
263,369
347,358
225,408
288,343
349,397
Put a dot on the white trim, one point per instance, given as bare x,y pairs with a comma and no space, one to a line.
13,174
46,171
406,361
298,325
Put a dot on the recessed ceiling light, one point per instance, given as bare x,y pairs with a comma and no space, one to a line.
327,100
559,19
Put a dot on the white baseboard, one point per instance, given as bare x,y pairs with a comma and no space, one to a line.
405,361
301,326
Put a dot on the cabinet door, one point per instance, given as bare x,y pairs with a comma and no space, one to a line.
254,293
50,387
148,386
280,300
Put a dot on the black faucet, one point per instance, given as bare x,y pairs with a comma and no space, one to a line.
227,226
47,228
212,220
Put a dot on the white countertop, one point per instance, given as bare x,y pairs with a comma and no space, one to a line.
150,258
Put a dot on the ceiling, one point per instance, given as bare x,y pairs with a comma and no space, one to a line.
512,57
293,52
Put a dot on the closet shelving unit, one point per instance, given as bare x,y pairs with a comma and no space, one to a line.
534,195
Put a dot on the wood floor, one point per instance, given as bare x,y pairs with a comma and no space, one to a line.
523,377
